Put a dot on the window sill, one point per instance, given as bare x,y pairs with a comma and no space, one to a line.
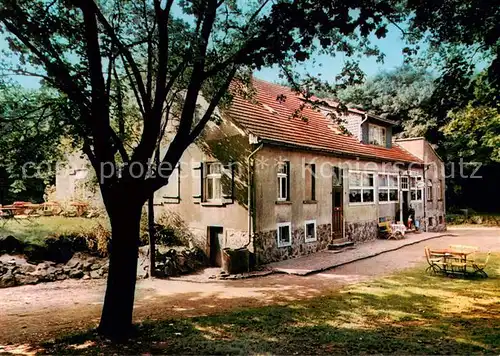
213,203
388,202
362,203
307,241
287,245
310,202
283,202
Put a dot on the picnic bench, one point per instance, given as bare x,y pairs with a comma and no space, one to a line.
457,259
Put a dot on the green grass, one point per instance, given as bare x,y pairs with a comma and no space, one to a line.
406,313
38,229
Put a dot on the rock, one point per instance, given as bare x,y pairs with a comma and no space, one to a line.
86,276
9,244
61,277
74,262
7,280
95,266
87,264
3,269
105,268
75,274
26,279
95,274
27,268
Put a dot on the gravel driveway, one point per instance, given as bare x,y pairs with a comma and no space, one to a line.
39,312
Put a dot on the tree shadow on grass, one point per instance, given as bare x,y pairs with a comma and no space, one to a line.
350,322
409,312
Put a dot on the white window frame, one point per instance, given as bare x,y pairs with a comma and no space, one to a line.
362,188
309,222
376,133
404,182
416,189
289,243
388,188
216,178
282,179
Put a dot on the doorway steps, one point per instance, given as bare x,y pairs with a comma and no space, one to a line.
339,244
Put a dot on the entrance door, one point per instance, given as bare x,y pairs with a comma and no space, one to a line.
215,242
337,204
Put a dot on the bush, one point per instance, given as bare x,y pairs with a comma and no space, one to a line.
170,230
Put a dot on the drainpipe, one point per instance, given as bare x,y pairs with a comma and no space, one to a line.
360,128
249,192
424,196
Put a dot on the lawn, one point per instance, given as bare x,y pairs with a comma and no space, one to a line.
406,313
38,229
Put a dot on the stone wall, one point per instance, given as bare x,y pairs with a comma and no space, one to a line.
361,231
437,225
267,250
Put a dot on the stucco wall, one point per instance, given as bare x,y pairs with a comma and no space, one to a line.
225,144
435,207
361,219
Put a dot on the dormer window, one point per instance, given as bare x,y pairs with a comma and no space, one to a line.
377,135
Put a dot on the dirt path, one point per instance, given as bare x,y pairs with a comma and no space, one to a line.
40,312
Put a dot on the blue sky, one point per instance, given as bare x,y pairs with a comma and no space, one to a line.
391,46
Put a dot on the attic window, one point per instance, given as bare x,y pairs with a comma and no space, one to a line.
377,135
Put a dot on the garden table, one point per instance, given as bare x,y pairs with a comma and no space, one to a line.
455,259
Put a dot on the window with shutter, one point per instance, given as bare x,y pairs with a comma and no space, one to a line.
197,182
213,182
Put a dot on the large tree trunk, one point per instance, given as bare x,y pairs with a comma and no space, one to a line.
116,318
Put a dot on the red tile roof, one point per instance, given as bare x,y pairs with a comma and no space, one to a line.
271,119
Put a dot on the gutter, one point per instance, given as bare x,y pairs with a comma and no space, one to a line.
424,196
249,192
335,153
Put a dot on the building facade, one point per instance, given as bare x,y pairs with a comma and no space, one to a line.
285,182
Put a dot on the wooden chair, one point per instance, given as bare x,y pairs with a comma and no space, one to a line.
436,264
479,267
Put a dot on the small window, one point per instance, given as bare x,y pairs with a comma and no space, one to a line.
429,190
416,188
441,219
310,230
431,222
213,186
387,188
439,192
404,183
310,181
283,181
361,187
284,231
377,135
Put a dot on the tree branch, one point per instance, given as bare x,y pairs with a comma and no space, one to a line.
126,53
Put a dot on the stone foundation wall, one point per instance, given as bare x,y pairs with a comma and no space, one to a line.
361,231
436,226
267,250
